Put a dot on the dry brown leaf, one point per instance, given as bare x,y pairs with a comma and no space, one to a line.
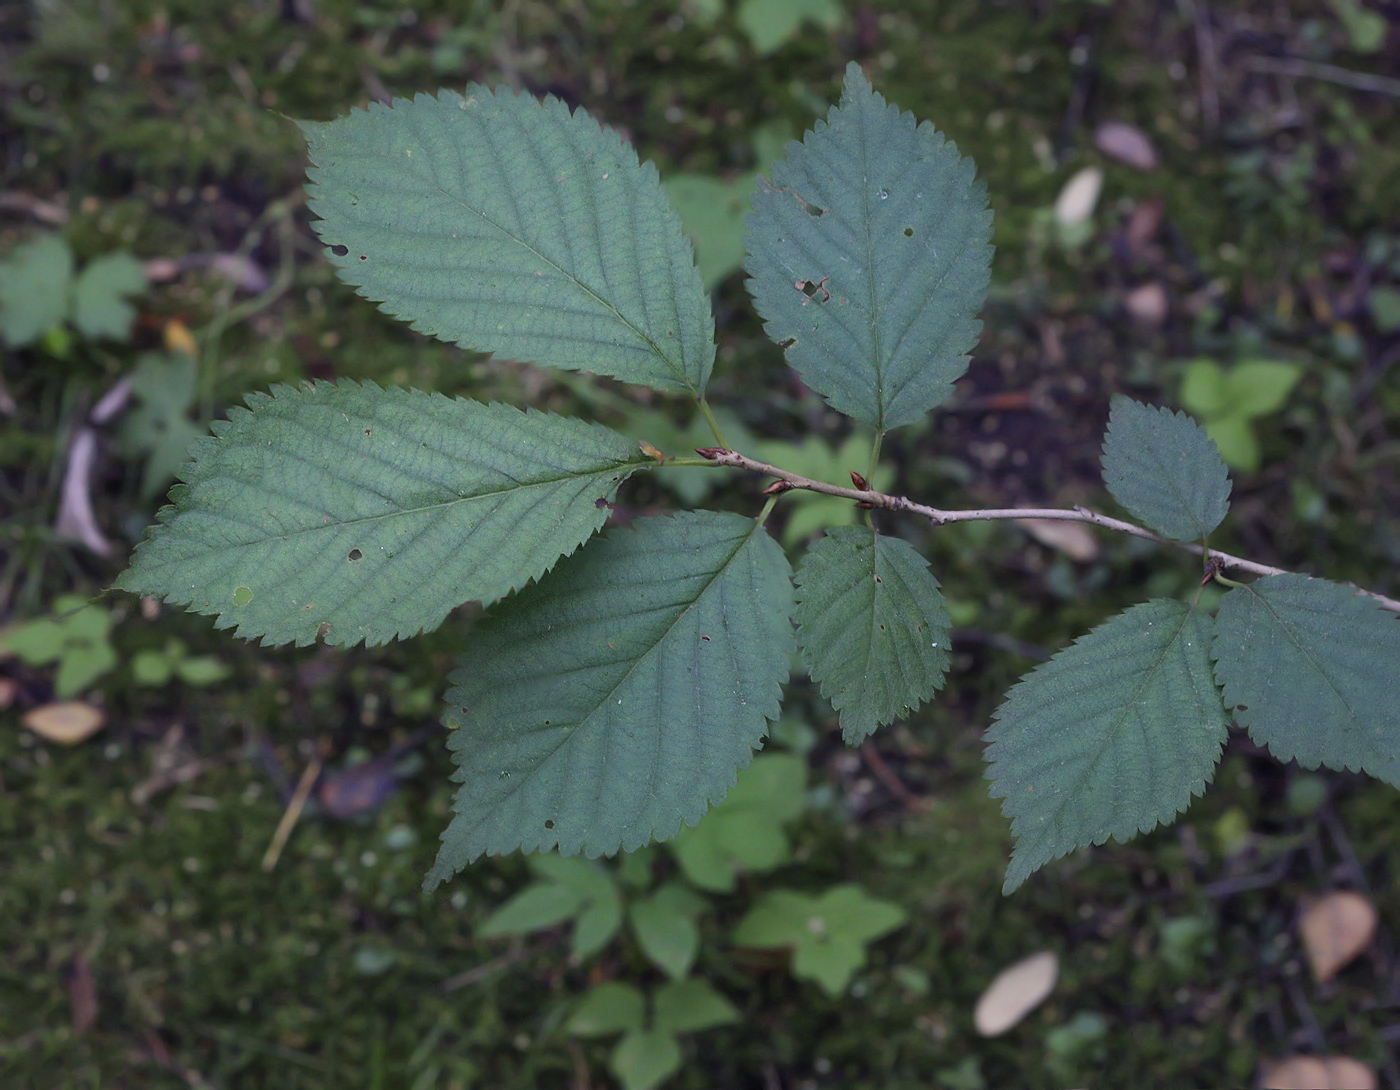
1335,929
1015,992
1074,539
67,722
1126,143
1317,1073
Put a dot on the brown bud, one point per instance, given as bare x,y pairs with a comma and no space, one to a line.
710,452
859,481
777,488
865,505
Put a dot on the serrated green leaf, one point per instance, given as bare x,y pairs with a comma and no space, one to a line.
1164,468
689,1006
745,832
1111,737
515,226
100,308
613,701
665,927
1312,670
358,513
872,627
869,250
610,1007
645,1058
35,284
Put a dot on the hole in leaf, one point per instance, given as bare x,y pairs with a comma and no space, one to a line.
808,289
705,638
814,210
355,554
364,257
909,232
787,342
549,823
340,251
368,432
323,630
1241,707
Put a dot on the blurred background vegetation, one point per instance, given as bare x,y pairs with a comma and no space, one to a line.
1196,203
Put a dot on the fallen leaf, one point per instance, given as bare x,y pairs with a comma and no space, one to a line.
1143,224
1015,992
179,339
1126,143
359,788
67,722
1078,198
1147,304
82,995
1074,539
1335,929
76,521
1317,1073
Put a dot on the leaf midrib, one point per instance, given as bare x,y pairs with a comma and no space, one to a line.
407,511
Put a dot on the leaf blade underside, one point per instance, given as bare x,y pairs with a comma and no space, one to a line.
1114,735
352,512
1312,670
869,249
505,224
872,627
613,701
1165,469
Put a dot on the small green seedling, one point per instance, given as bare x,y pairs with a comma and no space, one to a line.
41,298
1227,401
160,427
76,636
569,889
827,934
649,1052
156,668
744,834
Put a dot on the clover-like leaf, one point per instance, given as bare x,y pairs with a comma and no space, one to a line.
36,280
828,933
506,224
665,927
100,307
1112,736
745,833
869,258
872,627
351,512
609,1007
614,700
1312,670
688,1006
1164,468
